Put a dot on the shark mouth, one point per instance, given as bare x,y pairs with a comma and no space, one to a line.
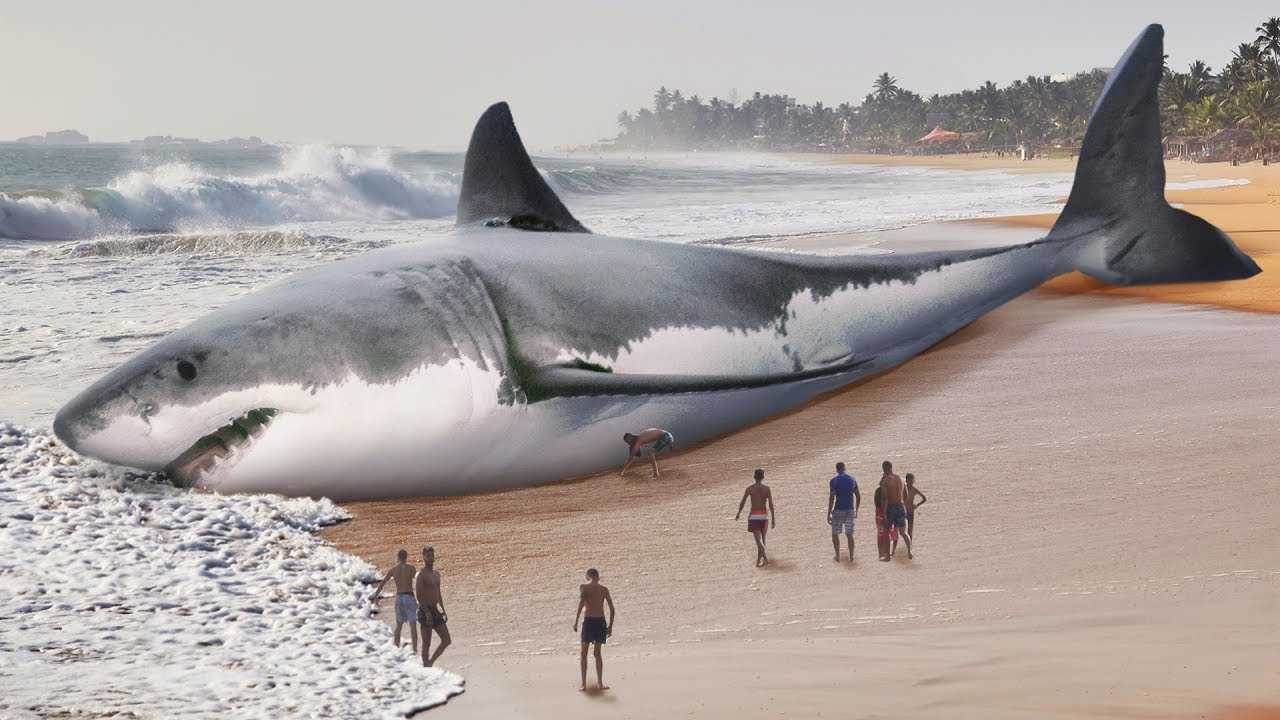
207,462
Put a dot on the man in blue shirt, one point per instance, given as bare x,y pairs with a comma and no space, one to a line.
842,508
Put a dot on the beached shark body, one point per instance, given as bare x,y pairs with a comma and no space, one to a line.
519,349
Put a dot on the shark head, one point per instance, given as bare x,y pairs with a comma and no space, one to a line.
306,380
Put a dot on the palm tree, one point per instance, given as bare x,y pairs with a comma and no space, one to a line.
1203,116
1202,75
1257,107
1246,63
1269,37
885,87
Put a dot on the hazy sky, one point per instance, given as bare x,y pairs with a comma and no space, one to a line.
419,73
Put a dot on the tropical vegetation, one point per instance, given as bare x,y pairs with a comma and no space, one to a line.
1040,111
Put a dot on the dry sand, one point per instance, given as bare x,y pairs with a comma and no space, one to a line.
1100,539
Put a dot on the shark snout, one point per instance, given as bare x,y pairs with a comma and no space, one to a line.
107,423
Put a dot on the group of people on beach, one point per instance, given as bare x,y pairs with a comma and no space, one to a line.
896,501
419,602
419,598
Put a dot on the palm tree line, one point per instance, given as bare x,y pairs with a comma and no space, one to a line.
1038,111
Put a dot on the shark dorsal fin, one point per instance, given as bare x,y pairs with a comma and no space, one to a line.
500,184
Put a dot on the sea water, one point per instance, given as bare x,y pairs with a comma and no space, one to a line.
119,593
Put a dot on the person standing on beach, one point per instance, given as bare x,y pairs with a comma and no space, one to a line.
406,606
759,519
653,441
592,597
912,493
431,614
883,532
842,508
895,509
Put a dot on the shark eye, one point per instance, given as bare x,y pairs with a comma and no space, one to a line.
186,370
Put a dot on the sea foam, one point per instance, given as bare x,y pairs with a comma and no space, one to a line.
120,594
314,182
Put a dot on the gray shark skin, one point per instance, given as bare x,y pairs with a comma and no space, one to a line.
520,348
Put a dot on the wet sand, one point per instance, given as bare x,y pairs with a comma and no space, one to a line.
1099,541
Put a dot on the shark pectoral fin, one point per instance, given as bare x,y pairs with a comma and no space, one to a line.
573,381
501,186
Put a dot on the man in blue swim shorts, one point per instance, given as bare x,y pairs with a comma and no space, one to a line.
651,441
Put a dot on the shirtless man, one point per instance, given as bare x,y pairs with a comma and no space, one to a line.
759,520
653,440
912,493
431,614
895,511
406,607
592,597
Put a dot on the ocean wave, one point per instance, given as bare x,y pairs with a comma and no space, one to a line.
185,604
315,182
244,242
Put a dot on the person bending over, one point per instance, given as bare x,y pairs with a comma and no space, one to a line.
651,442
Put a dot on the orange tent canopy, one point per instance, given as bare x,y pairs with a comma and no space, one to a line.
939,135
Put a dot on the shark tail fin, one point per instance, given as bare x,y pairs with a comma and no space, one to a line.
1123,231
500,183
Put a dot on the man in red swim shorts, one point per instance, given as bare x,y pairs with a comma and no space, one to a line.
759,519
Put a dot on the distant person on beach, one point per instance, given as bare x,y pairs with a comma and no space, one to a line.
912,493
759,519
652,441
842,508
406,606
884,533
592,597
431,614
895,509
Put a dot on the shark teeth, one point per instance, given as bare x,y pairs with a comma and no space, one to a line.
207,461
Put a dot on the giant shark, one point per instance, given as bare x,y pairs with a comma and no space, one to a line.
521,347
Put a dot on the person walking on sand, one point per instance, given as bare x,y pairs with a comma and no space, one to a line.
759,519
842,508
895,509
406,606
431,614
592,597
912,493
652,441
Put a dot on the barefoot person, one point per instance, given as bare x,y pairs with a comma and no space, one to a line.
842,508
406,606
912,493
651,441
882,529
592,597
431,614
895,509
759,519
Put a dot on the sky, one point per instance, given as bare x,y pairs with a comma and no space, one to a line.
419,73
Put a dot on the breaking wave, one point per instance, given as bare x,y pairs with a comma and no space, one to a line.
244,242
314,182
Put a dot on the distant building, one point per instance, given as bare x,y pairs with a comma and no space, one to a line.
165,140
56,137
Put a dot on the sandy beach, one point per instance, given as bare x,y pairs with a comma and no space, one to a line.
1099,539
